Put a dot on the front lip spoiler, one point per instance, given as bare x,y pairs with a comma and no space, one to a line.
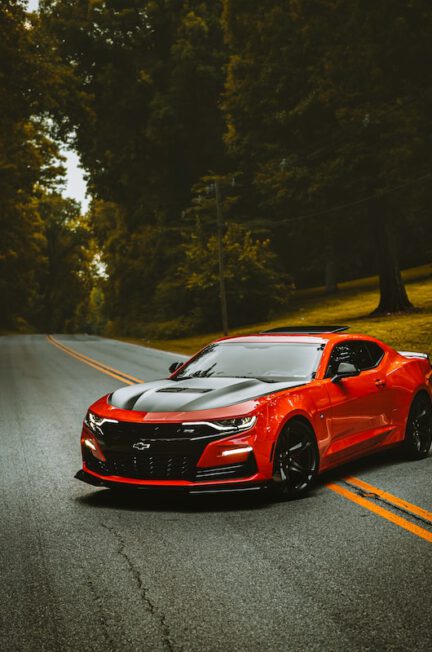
90,479
207,489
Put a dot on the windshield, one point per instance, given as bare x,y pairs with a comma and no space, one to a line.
272,362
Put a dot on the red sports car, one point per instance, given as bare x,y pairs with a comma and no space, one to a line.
267,410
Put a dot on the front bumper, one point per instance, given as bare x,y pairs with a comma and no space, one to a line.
254,483
157,456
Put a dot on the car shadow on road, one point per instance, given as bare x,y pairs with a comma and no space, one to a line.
174,501
392,458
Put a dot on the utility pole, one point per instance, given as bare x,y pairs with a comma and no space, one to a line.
222,290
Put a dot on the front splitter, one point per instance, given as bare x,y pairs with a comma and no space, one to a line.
93,480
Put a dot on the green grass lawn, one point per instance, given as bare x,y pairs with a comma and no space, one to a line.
350,306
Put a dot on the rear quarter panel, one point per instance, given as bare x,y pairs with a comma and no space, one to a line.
406,377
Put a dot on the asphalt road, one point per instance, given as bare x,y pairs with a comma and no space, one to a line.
82,569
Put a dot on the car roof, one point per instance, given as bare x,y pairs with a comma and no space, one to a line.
276,338
283,338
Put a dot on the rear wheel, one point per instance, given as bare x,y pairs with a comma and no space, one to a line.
418,435
295,461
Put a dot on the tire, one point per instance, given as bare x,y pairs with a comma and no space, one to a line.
418,434
296,461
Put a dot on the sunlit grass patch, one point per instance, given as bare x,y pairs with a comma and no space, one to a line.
351,306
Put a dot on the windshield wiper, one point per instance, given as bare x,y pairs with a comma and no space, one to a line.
197,374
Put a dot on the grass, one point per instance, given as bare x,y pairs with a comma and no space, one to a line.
351,306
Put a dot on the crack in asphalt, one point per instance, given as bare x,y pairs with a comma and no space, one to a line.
373,496
148,604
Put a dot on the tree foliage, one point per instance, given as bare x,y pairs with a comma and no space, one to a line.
253,284
144,112
70,276
44,266
313,114
329,101
25,157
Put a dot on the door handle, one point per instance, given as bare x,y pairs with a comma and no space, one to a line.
379,382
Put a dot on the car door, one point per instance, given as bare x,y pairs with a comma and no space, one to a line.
360,414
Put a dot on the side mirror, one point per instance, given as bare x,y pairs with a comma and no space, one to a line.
174,366
345,370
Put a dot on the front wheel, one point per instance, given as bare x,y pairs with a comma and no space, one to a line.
418,435
295,461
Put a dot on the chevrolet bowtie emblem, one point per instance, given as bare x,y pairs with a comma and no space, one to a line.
141,446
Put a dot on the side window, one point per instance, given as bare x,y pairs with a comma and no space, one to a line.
362,359
376,353
363,355
341,353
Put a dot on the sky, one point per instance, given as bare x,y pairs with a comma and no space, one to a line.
75,185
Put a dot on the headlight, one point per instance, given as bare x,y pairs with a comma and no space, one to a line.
95,423
239,424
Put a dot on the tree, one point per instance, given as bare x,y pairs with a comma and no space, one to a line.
318,87
27,164
254,285
325,108
213,220
69,277
143,112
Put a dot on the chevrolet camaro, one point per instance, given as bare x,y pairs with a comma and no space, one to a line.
270,410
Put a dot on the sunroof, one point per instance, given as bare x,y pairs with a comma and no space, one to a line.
307,330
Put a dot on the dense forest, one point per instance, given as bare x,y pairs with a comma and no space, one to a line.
231,147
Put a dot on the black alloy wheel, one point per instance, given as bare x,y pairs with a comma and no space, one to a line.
295,461
418,435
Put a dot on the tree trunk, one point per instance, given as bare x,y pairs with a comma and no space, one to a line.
393,295
330,270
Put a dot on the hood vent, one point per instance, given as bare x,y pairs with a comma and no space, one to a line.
183,390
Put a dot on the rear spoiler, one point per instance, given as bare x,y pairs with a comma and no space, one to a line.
414,354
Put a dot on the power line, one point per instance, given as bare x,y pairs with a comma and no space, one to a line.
319,213
323,144
362,200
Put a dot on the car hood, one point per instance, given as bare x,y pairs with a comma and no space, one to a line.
193,394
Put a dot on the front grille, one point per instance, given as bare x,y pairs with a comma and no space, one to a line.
166,467
128,431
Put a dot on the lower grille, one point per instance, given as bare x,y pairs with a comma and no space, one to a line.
166,467
242,470
145,467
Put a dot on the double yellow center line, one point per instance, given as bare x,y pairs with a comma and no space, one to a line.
369,497
104,368
357,491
